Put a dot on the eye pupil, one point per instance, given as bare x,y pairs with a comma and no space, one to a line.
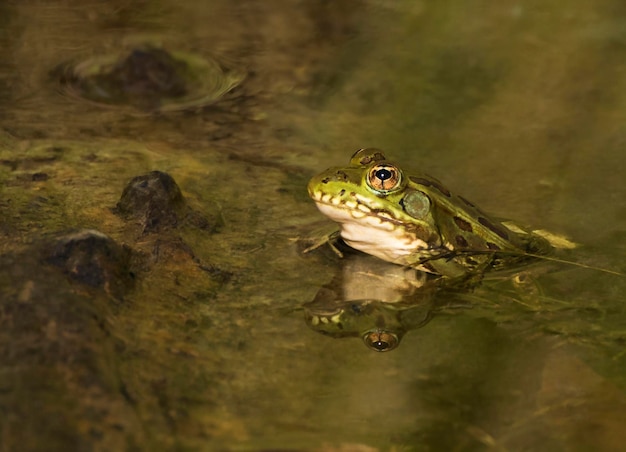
380,345
381,341
384,178
384,174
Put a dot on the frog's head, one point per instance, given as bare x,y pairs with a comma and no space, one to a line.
377,324
380,213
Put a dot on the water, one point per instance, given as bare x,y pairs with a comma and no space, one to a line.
517,106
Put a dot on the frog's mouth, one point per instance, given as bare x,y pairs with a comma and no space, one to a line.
372,231
355,206
354,210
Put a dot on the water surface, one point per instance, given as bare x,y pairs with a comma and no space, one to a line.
519,106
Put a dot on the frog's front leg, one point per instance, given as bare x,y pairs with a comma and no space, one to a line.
329,239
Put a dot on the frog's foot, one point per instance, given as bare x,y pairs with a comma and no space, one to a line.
556,240
312,243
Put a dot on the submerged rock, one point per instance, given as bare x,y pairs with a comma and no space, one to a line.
155,200
148,78
60,387
94,259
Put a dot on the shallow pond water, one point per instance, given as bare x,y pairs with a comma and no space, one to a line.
519,106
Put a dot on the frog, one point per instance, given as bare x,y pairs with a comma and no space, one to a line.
412,219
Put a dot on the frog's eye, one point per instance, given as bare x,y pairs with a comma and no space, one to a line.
384,178
380,341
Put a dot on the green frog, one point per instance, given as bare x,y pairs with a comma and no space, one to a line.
414,220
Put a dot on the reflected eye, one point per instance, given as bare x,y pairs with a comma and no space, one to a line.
380,341
384,177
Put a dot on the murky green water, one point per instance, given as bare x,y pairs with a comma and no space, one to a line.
520,106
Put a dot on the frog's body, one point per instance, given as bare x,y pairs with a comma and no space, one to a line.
414,220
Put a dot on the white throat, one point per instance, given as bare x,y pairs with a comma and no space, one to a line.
374,235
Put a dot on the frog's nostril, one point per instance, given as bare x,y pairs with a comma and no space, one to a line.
341,176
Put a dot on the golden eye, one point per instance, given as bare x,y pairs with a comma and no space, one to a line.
384,177
381,341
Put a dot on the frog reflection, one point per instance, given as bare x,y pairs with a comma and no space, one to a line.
377,301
